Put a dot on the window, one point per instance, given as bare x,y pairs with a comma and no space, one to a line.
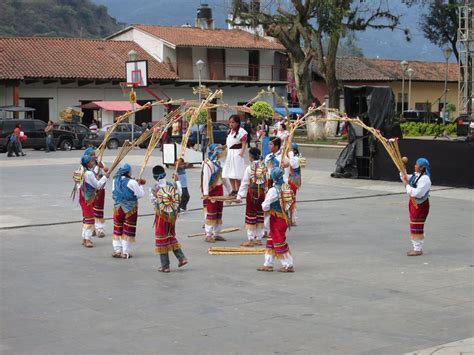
41,105
399,102
39,125
423,106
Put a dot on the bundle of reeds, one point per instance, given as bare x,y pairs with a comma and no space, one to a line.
203,104
235,251
156,136
223,231
122,153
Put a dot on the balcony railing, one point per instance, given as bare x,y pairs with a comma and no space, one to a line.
234,72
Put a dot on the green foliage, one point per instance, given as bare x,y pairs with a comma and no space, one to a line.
416,129
201,119
262,110
55,18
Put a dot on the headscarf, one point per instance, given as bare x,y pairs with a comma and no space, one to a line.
85,159
277,176
159,173
123,170
89,151
213,151
294,146
424,163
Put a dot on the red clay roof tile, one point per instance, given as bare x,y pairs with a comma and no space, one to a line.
72,58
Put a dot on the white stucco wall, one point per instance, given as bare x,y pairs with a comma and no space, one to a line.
237,62
171,53
151,44
71,96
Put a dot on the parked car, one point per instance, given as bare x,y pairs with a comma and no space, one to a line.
79,129
462,124
34,130
420,116
121,133
220,130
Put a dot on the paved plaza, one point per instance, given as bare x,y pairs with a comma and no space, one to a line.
354,291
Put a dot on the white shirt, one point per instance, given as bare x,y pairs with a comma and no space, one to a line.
208,169
423,186
244,184
134,186
89,178
233,140
162,183
270,197
286,173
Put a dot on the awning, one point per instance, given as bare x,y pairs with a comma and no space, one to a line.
120,106
293,111
16,109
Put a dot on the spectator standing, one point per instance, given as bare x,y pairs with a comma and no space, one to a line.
49,137
249,128
93,127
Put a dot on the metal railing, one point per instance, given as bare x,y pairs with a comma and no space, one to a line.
234,72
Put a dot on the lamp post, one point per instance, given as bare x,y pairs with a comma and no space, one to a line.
199,65
410,72
404,66
447,53
132,57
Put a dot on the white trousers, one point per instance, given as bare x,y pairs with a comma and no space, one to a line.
99,226
417,244
212,230
256,233
287,261
87,233
266,223
121,246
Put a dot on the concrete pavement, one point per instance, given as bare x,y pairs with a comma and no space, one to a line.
354,290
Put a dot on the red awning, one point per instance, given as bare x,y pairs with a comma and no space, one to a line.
110,105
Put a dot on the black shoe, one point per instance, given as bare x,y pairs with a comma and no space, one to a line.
22,154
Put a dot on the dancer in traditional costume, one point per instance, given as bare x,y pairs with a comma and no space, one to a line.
294,179
276,203
165,197
234,166
212,186
253,189
88,188
418,188
100,169
125,192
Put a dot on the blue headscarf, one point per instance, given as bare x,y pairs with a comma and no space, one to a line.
89,151
85,159
424,163
294,146
159,176
123,196
277,176
123,170
213,151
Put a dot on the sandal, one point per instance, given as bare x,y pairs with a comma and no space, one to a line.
100,234
126,256
248,243
116,254
164,269
88,243
258,242
183,262
265,268
210,239
220,238
287,269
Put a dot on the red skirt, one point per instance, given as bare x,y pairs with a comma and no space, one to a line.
99,201
165,235
87,209
254,215
125,224
418,215
214,209
276,241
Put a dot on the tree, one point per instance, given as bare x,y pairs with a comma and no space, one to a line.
441,24
302,26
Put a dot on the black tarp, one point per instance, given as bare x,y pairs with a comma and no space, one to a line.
375,106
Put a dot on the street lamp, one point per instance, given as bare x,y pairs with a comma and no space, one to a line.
410,72
132,57
404,66
200,66
447,53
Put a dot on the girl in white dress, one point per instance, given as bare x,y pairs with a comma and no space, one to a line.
234,166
